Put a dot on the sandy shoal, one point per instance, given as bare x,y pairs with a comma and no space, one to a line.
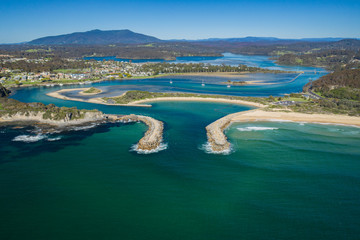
140,103
200,99
57,94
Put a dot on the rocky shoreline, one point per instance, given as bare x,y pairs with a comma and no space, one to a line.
215,134
150,141
153,136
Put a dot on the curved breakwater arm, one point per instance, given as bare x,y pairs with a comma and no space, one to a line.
218,140
153,136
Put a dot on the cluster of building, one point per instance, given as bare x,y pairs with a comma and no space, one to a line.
98,70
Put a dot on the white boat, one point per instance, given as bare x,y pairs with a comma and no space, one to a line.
202,84
170,82
228,86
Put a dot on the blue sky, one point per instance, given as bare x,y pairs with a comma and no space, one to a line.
24,20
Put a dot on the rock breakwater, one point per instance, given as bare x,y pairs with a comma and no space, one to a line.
153,136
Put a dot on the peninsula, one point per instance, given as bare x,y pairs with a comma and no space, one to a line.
13,112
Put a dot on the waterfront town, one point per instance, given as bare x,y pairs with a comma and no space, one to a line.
94,70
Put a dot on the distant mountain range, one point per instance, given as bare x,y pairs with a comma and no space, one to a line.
98,37
269,39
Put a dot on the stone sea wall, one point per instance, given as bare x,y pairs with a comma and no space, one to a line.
153,136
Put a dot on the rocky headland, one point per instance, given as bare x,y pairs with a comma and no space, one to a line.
51,117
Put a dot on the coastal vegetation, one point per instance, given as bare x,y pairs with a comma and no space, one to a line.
172,49
157,68
53,64
92,90
322,106
3,91
136,95
335,59
10,107
159,50
235,82
294,102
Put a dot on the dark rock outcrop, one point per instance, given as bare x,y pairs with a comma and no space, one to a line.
3,91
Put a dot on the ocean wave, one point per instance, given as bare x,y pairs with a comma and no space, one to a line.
81,128
29,138
207,148
161,147
127,121
54,139
249,129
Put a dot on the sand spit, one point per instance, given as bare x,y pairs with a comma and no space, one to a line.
219,142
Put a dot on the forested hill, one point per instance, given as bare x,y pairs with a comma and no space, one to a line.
97,37
343,84
345,78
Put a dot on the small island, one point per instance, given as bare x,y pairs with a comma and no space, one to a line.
91,91
235,83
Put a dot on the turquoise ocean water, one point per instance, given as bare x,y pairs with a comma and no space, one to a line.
282,180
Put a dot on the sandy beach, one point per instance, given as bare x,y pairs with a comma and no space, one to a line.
57,94
260,115
201,99
140,103
218,140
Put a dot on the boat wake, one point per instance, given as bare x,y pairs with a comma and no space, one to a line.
161,147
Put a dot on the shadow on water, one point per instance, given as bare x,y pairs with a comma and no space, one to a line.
28,141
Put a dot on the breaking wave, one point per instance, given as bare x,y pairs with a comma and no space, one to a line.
54,139
29,138
34,138
161,147
249,129
81,128
207,148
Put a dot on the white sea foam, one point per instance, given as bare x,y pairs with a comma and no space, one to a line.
54,139
161,147
29,138
84,127
249,129
127,121
207,148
